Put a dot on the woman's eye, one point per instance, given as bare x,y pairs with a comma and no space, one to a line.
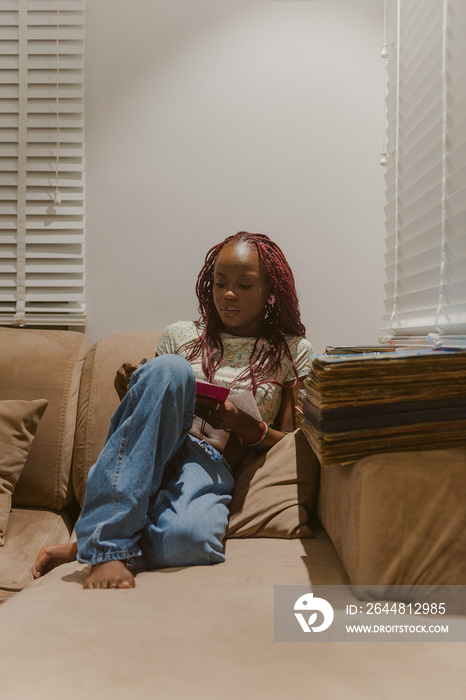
245,286
219,284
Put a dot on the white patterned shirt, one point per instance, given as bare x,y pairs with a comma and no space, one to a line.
236,354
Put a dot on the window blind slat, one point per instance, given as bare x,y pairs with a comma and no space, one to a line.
420,68
416,279
413,13
41,19
417,259
457,224
457,179
423,115
456,134
423,146
414,170
413,208
51,5
415,185
456,202
49,48
67,76
418,22
52,62
428,222
418,301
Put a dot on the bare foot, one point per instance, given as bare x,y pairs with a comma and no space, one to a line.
110,574
50,557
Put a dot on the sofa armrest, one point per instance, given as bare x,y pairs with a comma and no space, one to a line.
45,364
399,519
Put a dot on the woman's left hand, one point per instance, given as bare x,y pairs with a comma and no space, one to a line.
220,416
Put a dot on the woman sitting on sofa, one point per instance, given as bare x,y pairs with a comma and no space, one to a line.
159,493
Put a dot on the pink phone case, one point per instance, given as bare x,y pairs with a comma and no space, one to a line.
213,391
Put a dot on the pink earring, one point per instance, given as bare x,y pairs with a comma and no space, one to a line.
271,300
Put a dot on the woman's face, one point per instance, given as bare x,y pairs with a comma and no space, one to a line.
241,287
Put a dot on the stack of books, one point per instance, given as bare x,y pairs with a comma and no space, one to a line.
355,405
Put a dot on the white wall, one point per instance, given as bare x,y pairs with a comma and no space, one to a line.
208,117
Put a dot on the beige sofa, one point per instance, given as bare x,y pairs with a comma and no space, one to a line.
208,632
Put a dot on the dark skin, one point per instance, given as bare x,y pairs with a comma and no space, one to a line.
241,290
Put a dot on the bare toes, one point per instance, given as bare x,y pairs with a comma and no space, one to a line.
127,583
111,574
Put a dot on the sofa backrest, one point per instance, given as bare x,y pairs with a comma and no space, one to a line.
98,398
45,364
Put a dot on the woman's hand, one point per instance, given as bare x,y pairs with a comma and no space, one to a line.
248,429
122,378
221,416
226,416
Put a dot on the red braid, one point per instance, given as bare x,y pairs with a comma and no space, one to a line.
283,318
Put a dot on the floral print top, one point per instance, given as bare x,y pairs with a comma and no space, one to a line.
235,361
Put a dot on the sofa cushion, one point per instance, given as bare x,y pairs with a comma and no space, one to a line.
98,398
399,519
43,364
275,493
18,425
28,531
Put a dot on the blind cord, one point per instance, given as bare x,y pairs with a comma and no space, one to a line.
440,315
384,56
57,195
394,316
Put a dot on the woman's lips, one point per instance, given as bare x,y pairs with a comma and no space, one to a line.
229,310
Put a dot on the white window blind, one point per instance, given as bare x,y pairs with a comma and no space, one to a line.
426,171
42,189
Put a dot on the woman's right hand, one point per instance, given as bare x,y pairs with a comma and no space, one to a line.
122,378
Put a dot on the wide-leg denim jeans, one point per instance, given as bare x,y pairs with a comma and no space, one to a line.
156,496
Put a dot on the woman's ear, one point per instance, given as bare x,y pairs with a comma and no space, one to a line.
271,300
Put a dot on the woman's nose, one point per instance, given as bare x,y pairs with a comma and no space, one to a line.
229,294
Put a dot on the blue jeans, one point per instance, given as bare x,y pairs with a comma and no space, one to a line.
156,496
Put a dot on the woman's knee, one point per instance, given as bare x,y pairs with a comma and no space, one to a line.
167,371
169,364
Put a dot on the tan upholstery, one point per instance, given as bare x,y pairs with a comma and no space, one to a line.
45,364
28,531
18,426
276,492
399,518
98,399
204,633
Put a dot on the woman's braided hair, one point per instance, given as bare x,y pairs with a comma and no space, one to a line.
280,319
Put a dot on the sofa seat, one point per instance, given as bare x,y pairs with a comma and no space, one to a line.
28,531
204,633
